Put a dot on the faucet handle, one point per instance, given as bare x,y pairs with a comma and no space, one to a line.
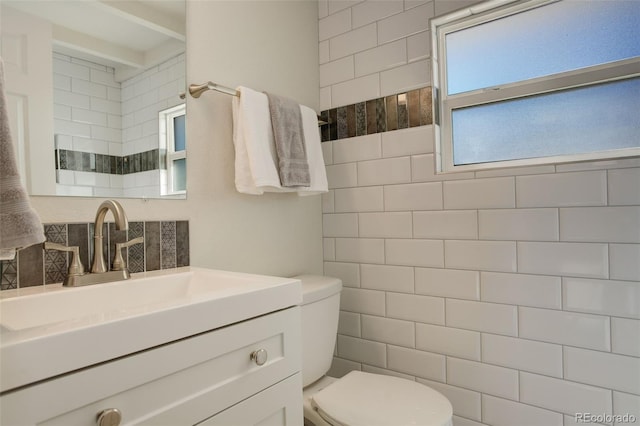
118,261
75,268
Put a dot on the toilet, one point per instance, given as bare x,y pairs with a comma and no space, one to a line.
358,398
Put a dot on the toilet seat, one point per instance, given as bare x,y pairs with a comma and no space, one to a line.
365,399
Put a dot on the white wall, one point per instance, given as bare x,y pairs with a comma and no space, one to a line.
235,43
513,292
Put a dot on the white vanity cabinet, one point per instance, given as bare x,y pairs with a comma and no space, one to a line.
210,378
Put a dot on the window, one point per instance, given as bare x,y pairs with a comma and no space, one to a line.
535,82
173,140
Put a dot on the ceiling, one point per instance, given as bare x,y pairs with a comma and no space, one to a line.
129,35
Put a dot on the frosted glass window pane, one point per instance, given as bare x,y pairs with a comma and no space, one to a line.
589,119
554,38
180,174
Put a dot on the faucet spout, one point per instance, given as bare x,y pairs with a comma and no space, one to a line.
122,224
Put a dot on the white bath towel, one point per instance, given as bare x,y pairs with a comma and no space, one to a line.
315,158
256,164
20,225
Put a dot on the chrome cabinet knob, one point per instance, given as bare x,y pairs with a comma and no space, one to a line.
109,417
260,356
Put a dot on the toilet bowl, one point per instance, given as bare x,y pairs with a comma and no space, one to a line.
358,398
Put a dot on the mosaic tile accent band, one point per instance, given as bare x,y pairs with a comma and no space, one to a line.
400,111
166,245
110,164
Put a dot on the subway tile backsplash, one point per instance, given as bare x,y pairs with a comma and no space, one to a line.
166,245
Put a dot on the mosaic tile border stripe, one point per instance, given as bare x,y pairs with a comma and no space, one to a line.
393,112
36,266
80,161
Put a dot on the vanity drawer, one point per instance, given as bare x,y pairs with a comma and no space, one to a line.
179,383
273,407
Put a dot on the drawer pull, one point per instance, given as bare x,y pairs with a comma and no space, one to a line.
260,356
109,417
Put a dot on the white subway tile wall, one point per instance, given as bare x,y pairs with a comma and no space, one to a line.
514,292
626,404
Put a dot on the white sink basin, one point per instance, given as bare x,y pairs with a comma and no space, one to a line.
51,330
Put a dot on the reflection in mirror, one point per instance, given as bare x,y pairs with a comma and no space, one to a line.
173,142
93,90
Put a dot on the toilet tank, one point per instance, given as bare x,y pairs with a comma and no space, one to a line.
320,309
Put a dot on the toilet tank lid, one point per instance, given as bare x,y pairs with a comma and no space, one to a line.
318,287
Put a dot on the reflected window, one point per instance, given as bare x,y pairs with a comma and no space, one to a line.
173,140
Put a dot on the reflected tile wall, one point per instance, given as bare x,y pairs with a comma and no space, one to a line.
98,163
166,245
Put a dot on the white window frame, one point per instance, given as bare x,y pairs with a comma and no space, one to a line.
444,104
167,142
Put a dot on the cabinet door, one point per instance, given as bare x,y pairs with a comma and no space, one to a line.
278,405
180,383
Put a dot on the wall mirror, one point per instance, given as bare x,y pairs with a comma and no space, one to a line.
93,91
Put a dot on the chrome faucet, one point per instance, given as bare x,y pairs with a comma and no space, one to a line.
99,266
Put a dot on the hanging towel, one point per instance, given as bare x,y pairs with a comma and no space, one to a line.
256,164
286,121
20,225
315,157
